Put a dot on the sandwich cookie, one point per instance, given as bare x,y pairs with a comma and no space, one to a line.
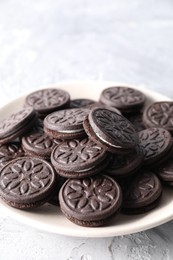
142,194
66,124
39,145
27,182
123,166
159,114
79,158
17,124
125,99
90,201
110,130
45,101
156,144
10,151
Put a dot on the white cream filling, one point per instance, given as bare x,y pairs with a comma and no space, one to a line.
113,145
71,131
85,170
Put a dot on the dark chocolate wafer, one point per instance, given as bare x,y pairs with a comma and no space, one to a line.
156,144
123,166
110,130
66,124
27,182
10,151
159,114
17,124
79,158
45,101
142,194
90,201
124,98
39,145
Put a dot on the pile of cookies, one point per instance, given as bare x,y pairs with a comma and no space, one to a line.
94,159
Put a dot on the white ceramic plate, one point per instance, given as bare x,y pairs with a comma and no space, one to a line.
49,218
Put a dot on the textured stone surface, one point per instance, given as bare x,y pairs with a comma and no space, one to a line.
45,41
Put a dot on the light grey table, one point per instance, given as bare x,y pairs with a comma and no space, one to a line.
47,41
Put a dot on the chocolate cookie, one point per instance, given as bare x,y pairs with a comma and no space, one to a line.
66,124
156,144
122,166
39,145
143,194
10,151
27,182
45,101
79,158
81,102
159,114
124,98
90,201
16,125
110,130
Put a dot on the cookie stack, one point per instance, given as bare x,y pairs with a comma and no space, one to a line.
93,158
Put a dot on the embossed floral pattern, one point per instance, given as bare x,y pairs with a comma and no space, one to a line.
68,117
90,194
78,153
115,126
40,141
14,119
122,95
25,177
9,152
142,188
47,98
161,114
153,141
